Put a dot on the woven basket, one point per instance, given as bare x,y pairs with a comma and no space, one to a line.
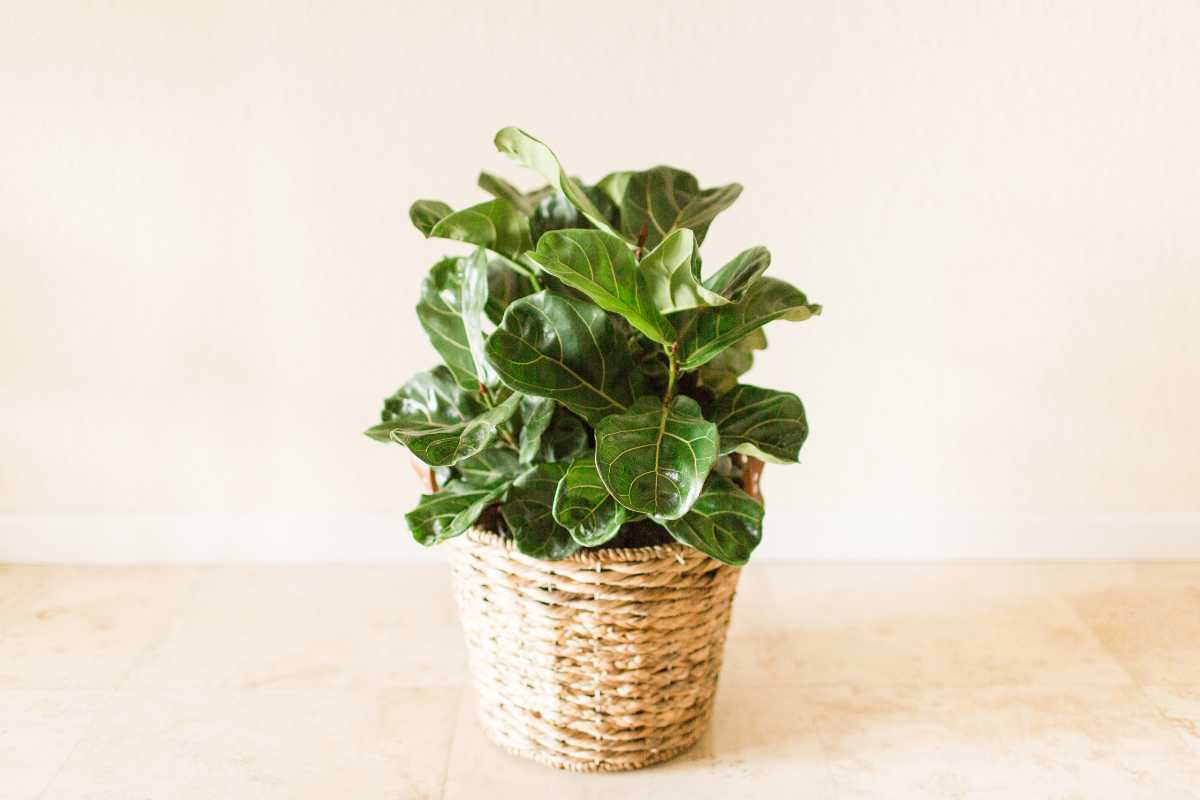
605,661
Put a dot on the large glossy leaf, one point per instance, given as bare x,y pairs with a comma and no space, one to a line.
530,152
450,511
584,507
654,458
536,414
529,514
670,278
451,311
438,441
550,345
724,522
763,423
495,225
664,199
505,284
491,467
733,279
705,332
603,267
427,213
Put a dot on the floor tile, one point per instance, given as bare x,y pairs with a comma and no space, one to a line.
38,730
759,745
264,744
1150,624
934,625
759,651
83,627
848,681
1179,705
1101,742
1179,573
313,627
915,743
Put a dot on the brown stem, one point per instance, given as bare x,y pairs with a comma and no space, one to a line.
751,476
424,474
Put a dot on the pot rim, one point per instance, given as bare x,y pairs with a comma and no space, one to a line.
598,555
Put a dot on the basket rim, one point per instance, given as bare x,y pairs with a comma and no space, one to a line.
495,541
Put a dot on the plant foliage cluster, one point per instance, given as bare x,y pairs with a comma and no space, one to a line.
590,393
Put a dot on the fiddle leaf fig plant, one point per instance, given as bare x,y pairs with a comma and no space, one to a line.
590,393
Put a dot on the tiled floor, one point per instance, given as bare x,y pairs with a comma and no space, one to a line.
841,681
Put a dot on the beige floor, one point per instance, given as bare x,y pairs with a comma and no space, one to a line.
951,681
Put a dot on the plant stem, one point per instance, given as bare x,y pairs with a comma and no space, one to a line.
672,373
503,430
487,396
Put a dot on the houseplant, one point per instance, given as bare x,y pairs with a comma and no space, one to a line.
589,435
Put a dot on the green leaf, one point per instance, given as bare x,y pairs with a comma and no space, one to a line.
439,441
584,507
707,331
432,396
449,511
654,458
669,276
536,413
550,345
503,190
703,209
733,279
427,213
665,199
763,423
529,514
495,225
450,311
613,185
722,373
491,467
554,212
530,152
505,284
724,523
566,438
474,300
603,267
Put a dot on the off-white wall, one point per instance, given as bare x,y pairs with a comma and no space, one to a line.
208,274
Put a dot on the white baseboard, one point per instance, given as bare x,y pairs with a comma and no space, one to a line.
819,536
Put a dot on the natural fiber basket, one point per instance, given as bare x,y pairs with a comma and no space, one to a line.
605,661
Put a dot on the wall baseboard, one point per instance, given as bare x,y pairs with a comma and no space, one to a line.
819,536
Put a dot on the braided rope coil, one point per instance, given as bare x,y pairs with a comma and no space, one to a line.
604,661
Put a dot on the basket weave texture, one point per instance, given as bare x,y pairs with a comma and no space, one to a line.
605,661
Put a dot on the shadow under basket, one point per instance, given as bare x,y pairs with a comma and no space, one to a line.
605,661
